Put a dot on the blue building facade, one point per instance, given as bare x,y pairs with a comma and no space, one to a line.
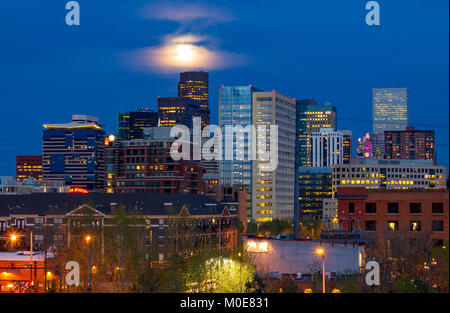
235,109
74,153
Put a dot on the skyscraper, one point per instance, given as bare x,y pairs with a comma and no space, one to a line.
177,110
270,193
327,148
364,147
273,191
410,144
347,145
75,153
314,185
195,85
131,124
235,108
389,109
311,117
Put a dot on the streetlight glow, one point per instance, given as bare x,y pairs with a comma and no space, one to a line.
321,252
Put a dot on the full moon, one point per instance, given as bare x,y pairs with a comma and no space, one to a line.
185,53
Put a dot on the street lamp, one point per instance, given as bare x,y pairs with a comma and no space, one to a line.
321,252
13,239
88,240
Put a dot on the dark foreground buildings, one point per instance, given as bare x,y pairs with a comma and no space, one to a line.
171,223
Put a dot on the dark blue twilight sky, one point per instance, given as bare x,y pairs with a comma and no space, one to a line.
316,48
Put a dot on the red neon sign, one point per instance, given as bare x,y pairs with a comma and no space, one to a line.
77,190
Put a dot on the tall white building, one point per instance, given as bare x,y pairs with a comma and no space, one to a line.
273,191
389,109
327,147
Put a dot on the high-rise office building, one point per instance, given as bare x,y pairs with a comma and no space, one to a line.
326,148
389,109
177,110
273,191
270,193
131,124
347,146
28,166
195,85
74,153
314,185
311,117
235,109
410,144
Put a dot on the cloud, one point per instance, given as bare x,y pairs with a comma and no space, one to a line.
187,48
185,13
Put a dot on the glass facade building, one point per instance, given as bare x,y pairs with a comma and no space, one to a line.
315,184
390,109
270,192
131,124
311,117
235,108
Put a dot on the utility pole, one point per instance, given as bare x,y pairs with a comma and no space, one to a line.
31,255
45,253
60,271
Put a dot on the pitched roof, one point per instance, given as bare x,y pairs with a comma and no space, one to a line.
144,203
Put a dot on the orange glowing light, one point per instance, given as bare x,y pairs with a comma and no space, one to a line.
320,251
77,190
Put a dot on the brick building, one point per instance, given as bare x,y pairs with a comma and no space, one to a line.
147,166
410,144
170,223
377,212
28,166
47,214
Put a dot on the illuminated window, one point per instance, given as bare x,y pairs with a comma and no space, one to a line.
393,225
415,226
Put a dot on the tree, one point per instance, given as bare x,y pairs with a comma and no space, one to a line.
310,228
270,228
126,257
211,271
349,282
404,284
440,267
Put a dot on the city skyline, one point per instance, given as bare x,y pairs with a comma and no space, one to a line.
234,147
56,88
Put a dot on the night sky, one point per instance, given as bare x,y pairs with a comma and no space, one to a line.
319,49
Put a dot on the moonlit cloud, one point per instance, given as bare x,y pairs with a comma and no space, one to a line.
188,48
186,12
185,52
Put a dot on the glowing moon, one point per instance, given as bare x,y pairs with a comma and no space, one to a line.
185,53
